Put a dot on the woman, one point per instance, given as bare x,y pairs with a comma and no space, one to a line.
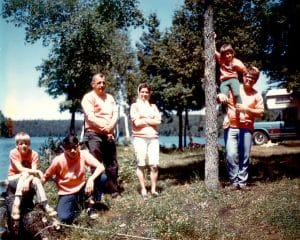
145,119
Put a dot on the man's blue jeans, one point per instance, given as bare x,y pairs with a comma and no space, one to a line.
238,143
69,206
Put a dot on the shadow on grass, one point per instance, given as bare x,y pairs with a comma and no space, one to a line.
261,168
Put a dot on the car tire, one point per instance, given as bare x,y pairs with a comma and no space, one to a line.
260,137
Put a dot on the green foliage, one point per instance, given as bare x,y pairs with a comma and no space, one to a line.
88,36
6,126
80,34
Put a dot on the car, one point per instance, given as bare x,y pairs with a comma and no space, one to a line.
275,131
281,119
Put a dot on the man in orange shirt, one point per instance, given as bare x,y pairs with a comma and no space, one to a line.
70,171
238,135
100,119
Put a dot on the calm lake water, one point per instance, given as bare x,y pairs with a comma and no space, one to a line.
6,144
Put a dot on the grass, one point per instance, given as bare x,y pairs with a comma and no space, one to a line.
186,210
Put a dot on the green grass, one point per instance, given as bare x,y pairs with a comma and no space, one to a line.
186,210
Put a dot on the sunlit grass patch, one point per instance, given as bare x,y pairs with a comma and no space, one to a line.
186,210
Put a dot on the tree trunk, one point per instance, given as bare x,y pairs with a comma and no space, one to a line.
186,126
72,123
180,122
211,130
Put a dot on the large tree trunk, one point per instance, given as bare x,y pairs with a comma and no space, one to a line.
211,130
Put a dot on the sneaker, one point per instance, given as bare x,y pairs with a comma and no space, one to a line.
92,213
233,186
51,212
114,194
244,187
154,194
56,223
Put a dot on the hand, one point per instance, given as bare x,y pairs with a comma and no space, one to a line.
222,98
241,107
38,173
226,122
89,187
106,129
110,137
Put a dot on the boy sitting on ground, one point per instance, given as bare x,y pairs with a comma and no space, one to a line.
24,175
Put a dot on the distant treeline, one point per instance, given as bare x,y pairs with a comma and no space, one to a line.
42,128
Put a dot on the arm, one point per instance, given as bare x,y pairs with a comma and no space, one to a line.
240,66
88,108
217,54
114,119
51,170
136,119
156,119
16,161
99,169
256,111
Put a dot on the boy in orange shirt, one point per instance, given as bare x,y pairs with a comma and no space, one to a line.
230,69
24,175
74,187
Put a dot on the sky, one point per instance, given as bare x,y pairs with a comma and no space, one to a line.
20,96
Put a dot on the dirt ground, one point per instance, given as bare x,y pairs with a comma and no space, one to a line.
276,149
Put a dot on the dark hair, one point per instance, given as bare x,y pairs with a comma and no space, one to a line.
69,141
254,72
145,85
100,75
226,48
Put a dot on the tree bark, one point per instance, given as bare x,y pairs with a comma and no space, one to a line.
211,130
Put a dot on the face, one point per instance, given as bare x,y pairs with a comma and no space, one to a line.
23,146
144,94
99,85
228,56
71,150
248,80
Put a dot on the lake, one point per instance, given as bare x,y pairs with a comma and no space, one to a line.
6,144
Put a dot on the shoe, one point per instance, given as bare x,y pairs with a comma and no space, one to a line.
155,194
56,224
92,213
15,212
244,187
115,194
233,186
51,212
